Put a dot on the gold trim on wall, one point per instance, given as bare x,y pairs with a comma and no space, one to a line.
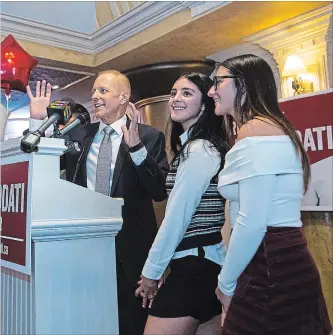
152,100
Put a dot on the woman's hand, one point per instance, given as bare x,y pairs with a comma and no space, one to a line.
42,99
147,290
224,299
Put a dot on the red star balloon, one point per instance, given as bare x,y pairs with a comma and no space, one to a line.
16,65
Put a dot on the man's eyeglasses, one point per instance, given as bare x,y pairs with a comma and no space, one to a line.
217,80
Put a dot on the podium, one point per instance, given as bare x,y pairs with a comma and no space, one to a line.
58,270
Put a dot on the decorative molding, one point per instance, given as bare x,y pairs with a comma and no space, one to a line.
201,8
68,229
136,20
307,35
303,27
190,4
51,146
133,22
119,8
11,147
47,146
27,30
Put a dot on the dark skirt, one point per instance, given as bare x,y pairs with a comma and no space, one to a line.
279,293
189,290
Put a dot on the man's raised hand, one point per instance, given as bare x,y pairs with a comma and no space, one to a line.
131,135
42,99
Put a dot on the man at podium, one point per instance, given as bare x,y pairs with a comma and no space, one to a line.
121,159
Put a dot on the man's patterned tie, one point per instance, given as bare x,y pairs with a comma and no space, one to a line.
103,170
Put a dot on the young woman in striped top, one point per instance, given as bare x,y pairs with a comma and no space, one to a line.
190,235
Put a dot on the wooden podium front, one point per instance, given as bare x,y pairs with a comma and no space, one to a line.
58,272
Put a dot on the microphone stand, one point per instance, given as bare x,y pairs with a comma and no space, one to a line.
72,147
78,165
56,132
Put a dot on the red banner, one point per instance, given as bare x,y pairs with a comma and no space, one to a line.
312,116
13,202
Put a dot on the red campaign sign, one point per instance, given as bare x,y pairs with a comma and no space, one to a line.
13,202
312,116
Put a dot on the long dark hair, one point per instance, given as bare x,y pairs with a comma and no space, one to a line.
209,126
257,97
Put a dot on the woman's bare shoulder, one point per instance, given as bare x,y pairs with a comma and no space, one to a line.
259,127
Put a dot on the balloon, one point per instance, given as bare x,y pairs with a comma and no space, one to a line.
16,65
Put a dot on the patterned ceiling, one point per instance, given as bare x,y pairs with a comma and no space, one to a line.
62,78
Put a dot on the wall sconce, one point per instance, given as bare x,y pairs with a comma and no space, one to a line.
294,67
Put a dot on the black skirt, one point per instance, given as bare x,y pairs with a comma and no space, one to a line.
279,293
189,290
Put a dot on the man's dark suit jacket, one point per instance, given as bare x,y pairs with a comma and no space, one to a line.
137,185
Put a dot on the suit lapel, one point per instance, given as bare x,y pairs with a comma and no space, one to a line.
121,158
87,140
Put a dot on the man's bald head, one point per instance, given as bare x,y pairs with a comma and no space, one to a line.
110,95
119,81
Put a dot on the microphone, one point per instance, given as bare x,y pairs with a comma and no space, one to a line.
82,118
59,112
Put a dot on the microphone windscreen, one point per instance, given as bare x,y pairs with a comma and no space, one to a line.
84,117
62,108
71,101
